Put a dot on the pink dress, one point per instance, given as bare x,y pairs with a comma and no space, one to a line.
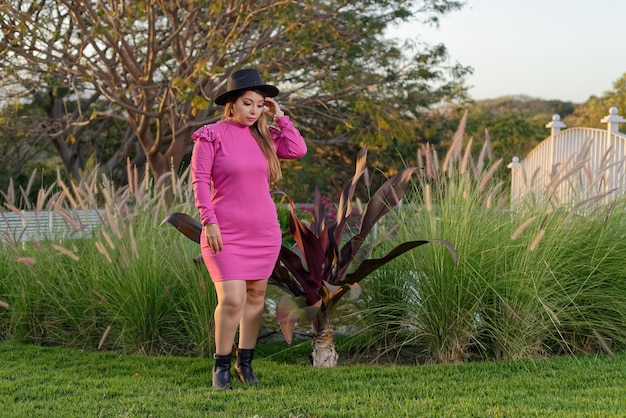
231,180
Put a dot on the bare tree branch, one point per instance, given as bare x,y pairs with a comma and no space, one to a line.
157,65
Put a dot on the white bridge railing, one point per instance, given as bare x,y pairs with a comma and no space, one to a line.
573,166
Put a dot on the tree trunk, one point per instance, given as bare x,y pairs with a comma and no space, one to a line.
324,350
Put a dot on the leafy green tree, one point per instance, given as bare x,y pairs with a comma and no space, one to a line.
514,124
16,154
590,113
156,64
28,144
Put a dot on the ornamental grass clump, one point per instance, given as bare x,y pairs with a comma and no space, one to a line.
539,281
430,307
115,283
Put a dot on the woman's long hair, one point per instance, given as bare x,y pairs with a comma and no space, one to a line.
261,133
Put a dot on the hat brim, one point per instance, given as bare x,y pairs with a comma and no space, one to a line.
269,90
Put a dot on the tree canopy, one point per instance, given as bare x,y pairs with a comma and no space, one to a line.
515,124
117,79
591,112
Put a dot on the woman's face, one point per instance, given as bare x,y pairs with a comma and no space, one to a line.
248,108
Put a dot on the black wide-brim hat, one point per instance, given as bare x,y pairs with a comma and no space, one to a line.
242,80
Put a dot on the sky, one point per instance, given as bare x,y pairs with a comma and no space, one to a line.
549,49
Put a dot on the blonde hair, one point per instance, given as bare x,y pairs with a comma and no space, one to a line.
261,133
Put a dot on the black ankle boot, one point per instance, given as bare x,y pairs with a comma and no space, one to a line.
221,372
243,366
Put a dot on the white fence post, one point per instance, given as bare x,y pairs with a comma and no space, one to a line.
613,120
555,125
517,180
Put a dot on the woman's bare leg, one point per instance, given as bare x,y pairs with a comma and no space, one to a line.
252,313
231,299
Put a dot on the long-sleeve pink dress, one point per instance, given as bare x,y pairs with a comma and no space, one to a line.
231,180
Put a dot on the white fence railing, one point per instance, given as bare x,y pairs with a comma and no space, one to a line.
47,225
572,166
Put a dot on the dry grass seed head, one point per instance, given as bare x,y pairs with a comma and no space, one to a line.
561,173
42,198
467,156
602,342
67,217
9,196
79,194
538,237
16,211
493,192
102,250
30,262
428,198
509,309
431,165
35,243
105,334
133,242
130,177
67,193
100,296
107,191
108,240
454,151
553,316
489,175
485,152
66,252
112,222
590,201
522,227
26,192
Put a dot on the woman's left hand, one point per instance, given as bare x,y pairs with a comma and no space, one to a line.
272,109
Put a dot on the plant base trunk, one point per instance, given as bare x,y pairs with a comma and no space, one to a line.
324,350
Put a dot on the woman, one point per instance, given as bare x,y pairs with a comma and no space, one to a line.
231,165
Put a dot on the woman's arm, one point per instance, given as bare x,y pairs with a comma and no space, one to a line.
287,139
201,173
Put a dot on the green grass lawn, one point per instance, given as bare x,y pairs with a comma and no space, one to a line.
54,381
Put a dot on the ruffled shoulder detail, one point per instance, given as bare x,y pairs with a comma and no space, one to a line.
206,133
275,132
